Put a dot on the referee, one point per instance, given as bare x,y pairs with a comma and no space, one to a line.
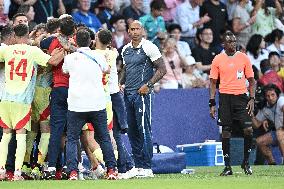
140,57
233,68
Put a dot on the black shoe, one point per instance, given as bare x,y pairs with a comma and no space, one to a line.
246,167
64,174
48,175
227,171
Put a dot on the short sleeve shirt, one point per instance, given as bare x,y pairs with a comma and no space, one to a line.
139,64
232,71
21,62
273,113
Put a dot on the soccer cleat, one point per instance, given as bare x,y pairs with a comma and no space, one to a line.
246,167
48,175
227,171
73,175
81,171
36,173
64,174
111,174
9,175
26,172
18,177
58,174
2,173
97,173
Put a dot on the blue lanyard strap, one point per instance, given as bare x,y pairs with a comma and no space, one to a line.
92,58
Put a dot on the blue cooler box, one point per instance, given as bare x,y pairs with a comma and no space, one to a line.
202,154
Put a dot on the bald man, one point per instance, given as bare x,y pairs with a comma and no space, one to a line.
140,57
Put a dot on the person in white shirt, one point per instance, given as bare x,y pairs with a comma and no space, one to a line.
187,16
276,38
256,50
87,102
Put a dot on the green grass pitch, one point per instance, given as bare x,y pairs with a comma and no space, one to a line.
264,177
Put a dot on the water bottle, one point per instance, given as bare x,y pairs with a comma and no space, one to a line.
188,171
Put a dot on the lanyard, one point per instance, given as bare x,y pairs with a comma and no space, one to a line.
44,8
92,58
107,14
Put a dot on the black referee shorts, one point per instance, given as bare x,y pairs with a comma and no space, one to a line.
233,108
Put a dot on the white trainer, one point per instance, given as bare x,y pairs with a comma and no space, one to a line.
2,173
122,176
98,173
132,173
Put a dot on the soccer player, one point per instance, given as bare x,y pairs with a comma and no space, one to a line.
39,116
58,99
20,18
140,57
7,38
104,38
233,68
86,105
21,62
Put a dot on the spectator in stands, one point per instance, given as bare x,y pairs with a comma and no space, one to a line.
120,5
15,4
174,64
217,11
269,76
107,12
45,9
256,50
154,23
276,39
235,107
204,52
4,20
241,23
187,16
70,5
274,59
175,32
191,78
273,111
281,65
231,7
170,10
7,4
119,36
28,10
265,17
134,11
83,15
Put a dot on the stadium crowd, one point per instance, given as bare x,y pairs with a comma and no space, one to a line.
52,107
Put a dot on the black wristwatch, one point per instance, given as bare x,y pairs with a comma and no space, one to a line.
149,85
